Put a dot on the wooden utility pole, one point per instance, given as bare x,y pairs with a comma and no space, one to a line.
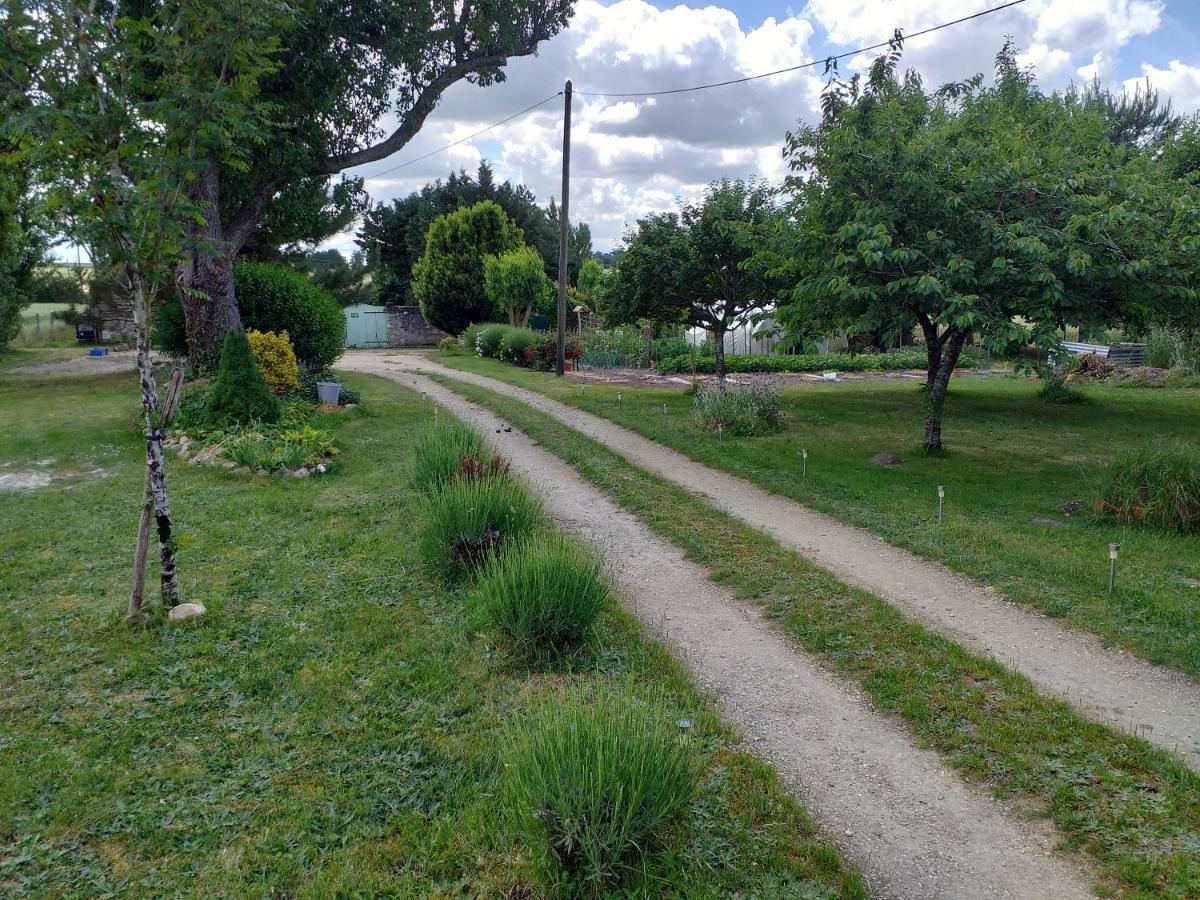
564,232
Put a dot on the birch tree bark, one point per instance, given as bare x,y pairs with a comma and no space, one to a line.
156,471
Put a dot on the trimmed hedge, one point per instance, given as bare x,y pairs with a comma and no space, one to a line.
272,298
828,362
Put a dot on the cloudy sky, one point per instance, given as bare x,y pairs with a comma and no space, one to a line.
636,155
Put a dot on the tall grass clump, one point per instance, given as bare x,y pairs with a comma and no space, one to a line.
596,782
545,595
452,450
471,520
743,411
1153,487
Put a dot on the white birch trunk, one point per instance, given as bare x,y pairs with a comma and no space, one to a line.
156,472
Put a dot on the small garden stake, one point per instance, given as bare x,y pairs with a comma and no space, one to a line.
664,414
804,462
941,501
1112,565
620,403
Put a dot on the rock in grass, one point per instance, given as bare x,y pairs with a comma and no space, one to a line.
885,459
186,611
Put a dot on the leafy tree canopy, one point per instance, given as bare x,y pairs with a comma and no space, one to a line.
516,283
995,213
394,234
690,267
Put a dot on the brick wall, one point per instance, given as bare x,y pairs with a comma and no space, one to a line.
406,327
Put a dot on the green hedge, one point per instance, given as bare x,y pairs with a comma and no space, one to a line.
272,298
828,362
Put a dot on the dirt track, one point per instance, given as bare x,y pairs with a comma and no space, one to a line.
1107,684
913,828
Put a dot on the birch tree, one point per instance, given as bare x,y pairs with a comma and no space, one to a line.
118,105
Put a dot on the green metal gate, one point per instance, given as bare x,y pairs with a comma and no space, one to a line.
366,326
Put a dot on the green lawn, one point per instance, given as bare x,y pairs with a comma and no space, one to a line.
336,724
1009,457
1135,809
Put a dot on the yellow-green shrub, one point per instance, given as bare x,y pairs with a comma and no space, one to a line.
276,360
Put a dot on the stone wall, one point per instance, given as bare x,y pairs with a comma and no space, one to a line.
406,327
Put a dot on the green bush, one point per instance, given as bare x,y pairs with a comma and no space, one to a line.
448,279
514,343
471,520
908,358
272,298
742,411
596,783
452,450
545,595
488,340
1153,487
240,396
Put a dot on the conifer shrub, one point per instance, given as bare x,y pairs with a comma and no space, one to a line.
597,781
240,395
275,359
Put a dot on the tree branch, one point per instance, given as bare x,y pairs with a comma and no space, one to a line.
413,119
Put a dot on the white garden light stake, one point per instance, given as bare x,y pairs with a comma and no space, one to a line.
1112,565
941,501
620,402
803,462
435,415
664,414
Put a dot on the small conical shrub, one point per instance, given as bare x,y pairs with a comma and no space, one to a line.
240,395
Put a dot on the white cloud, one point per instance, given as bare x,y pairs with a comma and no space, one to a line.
1179,80
634,155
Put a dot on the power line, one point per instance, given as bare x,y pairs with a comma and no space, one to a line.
807,65
417,159
699,87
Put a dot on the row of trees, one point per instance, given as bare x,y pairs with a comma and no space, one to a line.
394,235
988,213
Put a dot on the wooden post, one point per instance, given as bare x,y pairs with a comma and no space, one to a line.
564,232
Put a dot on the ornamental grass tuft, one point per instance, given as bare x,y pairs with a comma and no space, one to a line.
597,782
746,411
544,594
449,452
470,521
1153,487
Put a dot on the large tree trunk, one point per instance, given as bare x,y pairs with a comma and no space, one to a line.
156,472
719,354
933,350
206,283
936,400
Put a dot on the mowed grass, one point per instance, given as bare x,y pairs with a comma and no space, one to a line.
1009,457
335,725
1134,809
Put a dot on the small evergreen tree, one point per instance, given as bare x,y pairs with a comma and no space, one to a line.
448,280
240,395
